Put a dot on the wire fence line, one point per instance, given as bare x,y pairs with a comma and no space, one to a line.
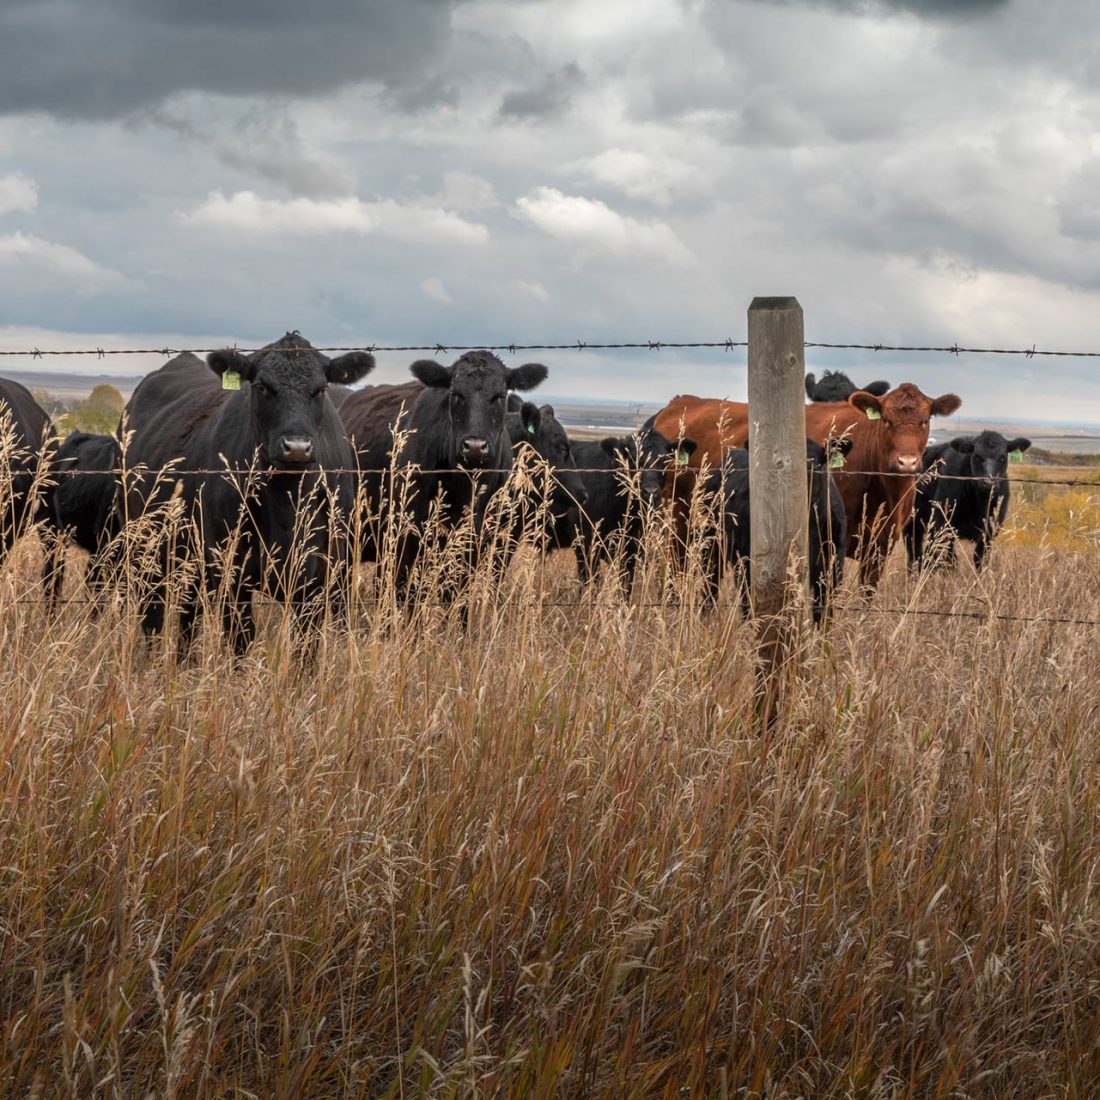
168,472
667,605
727,344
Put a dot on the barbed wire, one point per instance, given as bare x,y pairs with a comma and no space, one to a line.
442,348
167,473
597,604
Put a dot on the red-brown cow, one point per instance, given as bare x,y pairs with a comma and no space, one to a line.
888,434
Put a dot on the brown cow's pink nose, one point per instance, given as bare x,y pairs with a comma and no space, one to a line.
908,464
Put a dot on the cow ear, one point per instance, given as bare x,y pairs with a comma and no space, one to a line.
879,389
349,368
946,405
432,373
841,445
231,360
530,417
1019,444
526,377
610,445
866,403
811,382
963,444
548,411
686,447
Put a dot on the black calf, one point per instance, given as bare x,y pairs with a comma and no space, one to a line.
624,479
973,508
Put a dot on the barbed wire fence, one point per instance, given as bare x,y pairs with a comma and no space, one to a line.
725,345
441,348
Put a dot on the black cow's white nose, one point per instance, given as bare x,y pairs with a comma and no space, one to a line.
296,449
475,450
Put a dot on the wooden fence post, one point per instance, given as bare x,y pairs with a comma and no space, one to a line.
777,476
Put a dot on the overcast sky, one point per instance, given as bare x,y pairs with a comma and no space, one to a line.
405,171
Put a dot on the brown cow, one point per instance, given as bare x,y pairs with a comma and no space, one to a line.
888,435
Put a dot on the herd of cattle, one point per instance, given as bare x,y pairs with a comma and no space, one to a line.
242,447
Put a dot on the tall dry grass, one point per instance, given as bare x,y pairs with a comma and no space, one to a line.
551,855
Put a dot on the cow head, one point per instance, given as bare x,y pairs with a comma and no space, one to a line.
902,416
987,455
542,431
286,394
651,454
477,385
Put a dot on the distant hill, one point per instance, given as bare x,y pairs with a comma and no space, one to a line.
70,384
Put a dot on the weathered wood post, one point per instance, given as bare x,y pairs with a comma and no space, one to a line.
777,478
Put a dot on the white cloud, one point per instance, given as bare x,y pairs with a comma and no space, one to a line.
657,179
592,227
532,288
433,288
247,212
22,250
17,193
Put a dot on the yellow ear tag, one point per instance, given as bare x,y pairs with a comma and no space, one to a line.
837,461
873,414
231,380
682,458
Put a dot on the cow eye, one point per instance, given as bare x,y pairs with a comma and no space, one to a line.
319,390
497,398
457,397
267,388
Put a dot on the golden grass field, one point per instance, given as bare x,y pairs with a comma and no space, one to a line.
553,856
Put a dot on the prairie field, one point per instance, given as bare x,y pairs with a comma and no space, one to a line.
554,854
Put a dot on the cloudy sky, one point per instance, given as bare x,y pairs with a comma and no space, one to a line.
405,171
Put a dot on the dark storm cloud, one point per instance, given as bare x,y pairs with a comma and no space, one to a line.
77,59
546,99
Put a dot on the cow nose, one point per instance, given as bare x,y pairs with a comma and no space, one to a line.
475,450
908,464
296,450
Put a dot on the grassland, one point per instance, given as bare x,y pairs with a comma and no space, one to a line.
553,856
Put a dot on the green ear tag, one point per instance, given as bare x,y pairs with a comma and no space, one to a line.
231,380
682,458
530,429
873,414
1015,456
837,461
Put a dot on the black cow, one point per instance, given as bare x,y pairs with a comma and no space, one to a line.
947,509
728,487
80,505
624,479
453,431
277,527
537,427
27,444
835,385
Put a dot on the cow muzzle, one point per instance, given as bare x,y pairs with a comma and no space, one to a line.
475,452
295,451
907,464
